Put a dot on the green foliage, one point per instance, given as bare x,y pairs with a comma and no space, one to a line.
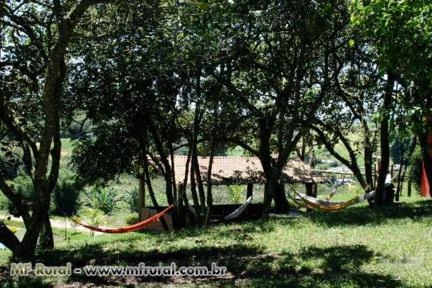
101,198
66,196
92,216
4,202
111,152
415,163
236,193
131,197
401,31
23,185
132,219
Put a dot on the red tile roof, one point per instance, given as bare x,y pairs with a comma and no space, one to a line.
241,170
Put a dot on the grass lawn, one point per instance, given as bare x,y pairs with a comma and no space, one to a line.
358,247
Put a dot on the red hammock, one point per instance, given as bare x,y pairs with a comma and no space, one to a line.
126,229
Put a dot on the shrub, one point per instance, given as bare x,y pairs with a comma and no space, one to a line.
66,196
102,198
92,216
22,185
131,198
132,219
236,193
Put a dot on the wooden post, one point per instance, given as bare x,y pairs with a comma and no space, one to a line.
309,192
249,190
315,190
309,189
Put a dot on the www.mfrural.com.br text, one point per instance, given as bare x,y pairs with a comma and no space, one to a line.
40,269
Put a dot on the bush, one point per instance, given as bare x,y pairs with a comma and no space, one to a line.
102,198
66,196
131,198
22,185
93,217
132,219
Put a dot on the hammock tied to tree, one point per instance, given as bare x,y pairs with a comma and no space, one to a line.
237,212
327,205
125,229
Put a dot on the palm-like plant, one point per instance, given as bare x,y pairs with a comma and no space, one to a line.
93,217
102,198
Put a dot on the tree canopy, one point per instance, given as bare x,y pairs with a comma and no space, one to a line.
153,79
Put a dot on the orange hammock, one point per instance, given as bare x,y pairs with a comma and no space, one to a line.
126,229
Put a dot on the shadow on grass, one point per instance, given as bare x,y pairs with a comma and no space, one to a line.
251,266
365,215
247,265
24,282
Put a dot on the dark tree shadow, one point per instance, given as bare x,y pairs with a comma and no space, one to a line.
252,266
247,265
24,282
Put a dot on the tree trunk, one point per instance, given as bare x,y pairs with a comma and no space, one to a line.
409,188
405,167
281,202
265,127
199,183
209,180
183,214
46,239
384,143
27,247
8,238
149,184
193,186
163,159
368,162
168,184
173,176
268,195
147,179
141,196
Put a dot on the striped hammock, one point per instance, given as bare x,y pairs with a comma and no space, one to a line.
126,229
237,212
329,206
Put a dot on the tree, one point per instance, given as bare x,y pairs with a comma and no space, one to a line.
350,116
160,97
35,38
129,71
278,68
400,32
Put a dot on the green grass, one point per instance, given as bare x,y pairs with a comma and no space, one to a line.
358,247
